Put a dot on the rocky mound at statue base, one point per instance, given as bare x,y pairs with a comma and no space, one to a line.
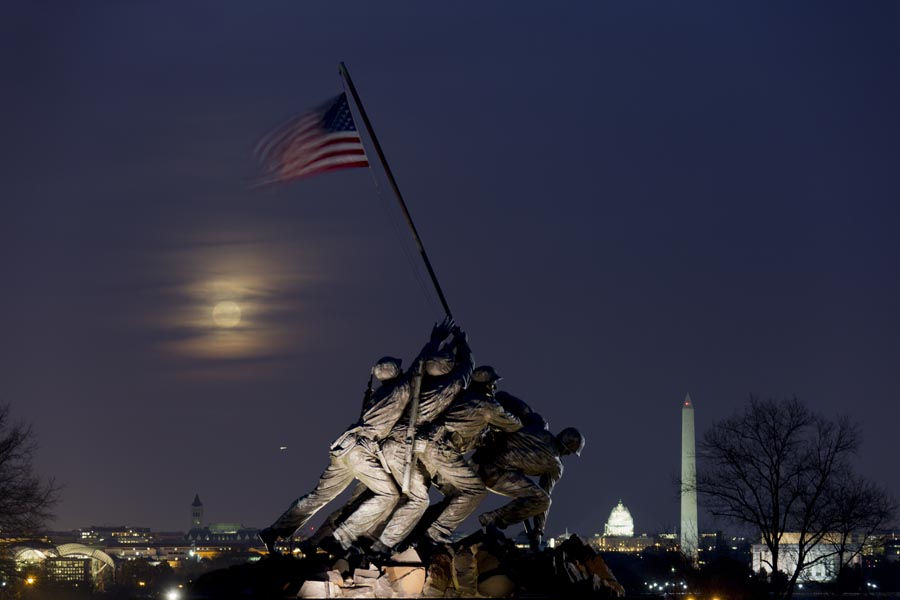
476,567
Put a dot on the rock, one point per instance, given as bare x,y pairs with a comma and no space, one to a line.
487,561
493,580
342,566
575,572
478,568
440,576
319,589
408,556
496,586
382,588
596,566
465,573
365,576
406,581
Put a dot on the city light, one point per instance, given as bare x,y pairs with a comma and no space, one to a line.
173,595
30,581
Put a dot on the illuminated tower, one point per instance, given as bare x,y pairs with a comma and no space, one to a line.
196,513
689,536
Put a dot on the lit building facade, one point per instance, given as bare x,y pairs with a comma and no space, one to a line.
823,560
120,534
620,522
69,571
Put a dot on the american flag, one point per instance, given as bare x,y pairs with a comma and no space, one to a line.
324,139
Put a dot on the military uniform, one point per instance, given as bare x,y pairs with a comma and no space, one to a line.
435,396
508,465
356,455
454,434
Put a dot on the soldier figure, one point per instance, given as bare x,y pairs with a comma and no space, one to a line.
446,374
459,430
356,455
507,464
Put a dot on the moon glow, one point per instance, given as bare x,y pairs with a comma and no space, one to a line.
226,314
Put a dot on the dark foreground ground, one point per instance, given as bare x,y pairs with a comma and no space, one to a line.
475,567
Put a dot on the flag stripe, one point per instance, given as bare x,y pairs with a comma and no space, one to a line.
355,154
309,155
324,139
330,164
284,132
321,142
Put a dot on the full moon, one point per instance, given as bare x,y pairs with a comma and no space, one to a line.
227,314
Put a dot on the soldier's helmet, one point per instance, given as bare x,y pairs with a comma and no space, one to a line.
439,363
572,440
485,374
387,368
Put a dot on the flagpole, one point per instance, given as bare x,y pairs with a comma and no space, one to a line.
387,169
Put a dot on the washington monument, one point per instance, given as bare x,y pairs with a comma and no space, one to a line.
689,536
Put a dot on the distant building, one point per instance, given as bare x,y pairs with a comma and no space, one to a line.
224,533
220,533
69,571
131,552
631,544
71,565
826,561
196,512
891,548
618,535
118,534
620,522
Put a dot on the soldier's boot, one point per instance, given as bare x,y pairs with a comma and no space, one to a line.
491,529
379,553
426,548
333,547
308,548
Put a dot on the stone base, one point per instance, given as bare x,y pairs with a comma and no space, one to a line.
476,567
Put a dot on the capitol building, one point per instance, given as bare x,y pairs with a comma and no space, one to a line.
620,522
618,534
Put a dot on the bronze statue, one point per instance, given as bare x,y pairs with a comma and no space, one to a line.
447,373
509,461
356,455
459,430
415,430
444,443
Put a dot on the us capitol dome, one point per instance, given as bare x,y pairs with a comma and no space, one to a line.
620,522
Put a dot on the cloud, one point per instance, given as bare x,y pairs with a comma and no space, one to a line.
264,273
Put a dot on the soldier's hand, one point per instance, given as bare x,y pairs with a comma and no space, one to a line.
441,330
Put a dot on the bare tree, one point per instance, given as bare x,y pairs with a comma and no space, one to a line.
860,509
26,500
785,471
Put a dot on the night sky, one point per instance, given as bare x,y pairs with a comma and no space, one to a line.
624,202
